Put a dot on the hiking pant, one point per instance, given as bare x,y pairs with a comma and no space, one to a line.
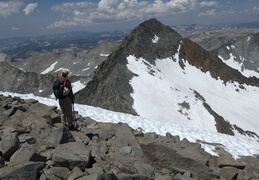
66,111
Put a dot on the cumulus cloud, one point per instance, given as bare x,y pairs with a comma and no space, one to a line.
31,8
208,3
70,7
85,13
211,12
10,7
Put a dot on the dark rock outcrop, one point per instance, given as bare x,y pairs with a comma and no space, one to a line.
209,62
110,88
19,81
40,147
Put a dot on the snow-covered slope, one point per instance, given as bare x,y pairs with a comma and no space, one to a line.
157,74
170,94
239,66
237,146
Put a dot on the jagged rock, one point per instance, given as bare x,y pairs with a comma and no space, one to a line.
164,177
60,135
205,61
125,137
80,137
133,176
162,156
56,173
26,153
76,173
192,150
43,110
98,151
226,160
227,173
71,154
30,82
99,176
25,170
9,143
40,128
105,150
2,162
26,138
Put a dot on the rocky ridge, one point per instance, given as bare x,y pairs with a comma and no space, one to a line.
36,74
35,145
110,87
241,43
113,72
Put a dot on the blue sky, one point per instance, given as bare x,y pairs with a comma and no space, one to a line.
38,17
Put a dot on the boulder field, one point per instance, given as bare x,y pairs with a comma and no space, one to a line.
34,144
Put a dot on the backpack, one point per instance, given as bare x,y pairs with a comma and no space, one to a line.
59,90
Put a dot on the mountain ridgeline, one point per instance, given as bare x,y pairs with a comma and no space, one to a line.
110,86
108,80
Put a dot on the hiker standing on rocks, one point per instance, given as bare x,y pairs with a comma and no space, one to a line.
66,103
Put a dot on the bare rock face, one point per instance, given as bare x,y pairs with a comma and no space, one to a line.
37,146
5,57
16,80
207,61
70,155
110,88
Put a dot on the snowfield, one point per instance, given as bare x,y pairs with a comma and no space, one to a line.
236,145
170,94
170,99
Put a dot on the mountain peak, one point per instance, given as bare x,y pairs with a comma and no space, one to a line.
152,40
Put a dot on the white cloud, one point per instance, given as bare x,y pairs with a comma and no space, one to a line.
31,8
208,3
85,13
10,7
15,29
70,7
211,12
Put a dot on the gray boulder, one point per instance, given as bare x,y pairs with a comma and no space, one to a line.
59,135
9,143
26,171
70,155
26,153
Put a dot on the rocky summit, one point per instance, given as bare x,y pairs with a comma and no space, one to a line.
112,86
35,145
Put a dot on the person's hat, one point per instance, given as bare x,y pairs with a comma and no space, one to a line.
65,71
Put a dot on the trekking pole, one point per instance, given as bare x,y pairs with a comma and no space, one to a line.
74,116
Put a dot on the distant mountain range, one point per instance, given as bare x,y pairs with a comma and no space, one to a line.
23,47
154,72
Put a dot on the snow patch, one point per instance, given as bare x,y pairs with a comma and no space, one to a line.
155,39
237,146
105,55
49,68
238,66
77,86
